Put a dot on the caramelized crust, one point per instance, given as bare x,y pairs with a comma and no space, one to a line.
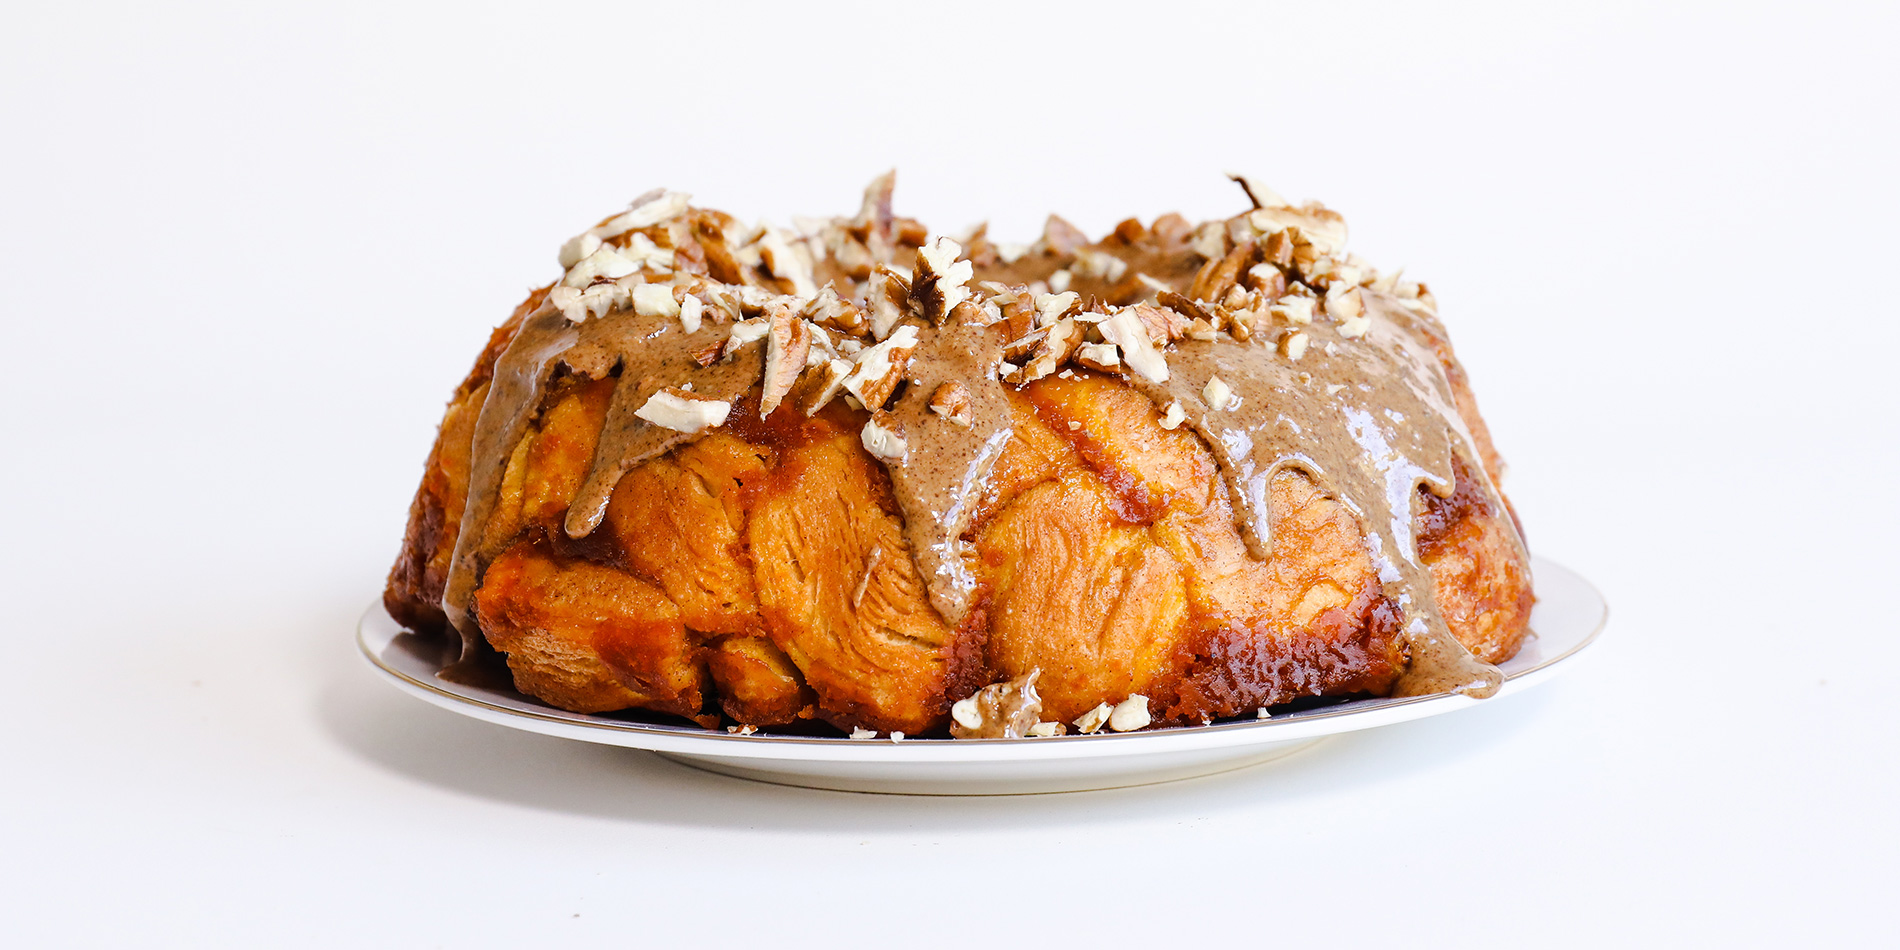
1483,590
681,520
838,590
587,637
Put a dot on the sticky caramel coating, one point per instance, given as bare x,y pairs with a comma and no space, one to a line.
732,577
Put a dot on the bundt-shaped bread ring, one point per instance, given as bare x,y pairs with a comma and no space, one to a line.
858,476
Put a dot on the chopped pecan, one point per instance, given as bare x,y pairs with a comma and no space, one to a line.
790,264
883,437
655,300
1164,324
787,341
1175,415
1020,347
743,333
1277,249
886,294
938,282
824,384
827,309
1058,343
909,232
1103,357
952,401
647,210
692,313
1216,277
1344,302
1209,241
683,411
1260,195
1019,312
1098,265
1218,395
1266,279
880,368
1316,224
1053,307
1170,229
1061,238
1187,307
1125,330
721,265
578,248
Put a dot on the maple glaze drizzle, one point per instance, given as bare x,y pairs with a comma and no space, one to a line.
1369,419
948,464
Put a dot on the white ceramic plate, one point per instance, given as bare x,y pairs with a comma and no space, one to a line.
1568,616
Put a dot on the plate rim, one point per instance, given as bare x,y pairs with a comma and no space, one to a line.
376,626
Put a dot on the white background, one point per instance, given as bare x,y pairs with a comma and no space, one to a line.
246,252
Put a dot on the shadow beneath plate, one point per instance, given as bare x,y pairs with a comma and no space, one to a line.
469,757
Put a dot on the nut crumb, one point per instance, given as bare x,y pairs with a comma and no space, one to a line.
1130,714
682,411
745,332
862,733
1218,395
1174,417
1103,357
967,713
579,248
1295,310
744,730
1094,719
1262,713
897,737
1210,241
1294,346
1099,264
647,210
1045,730
882,438
655,300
